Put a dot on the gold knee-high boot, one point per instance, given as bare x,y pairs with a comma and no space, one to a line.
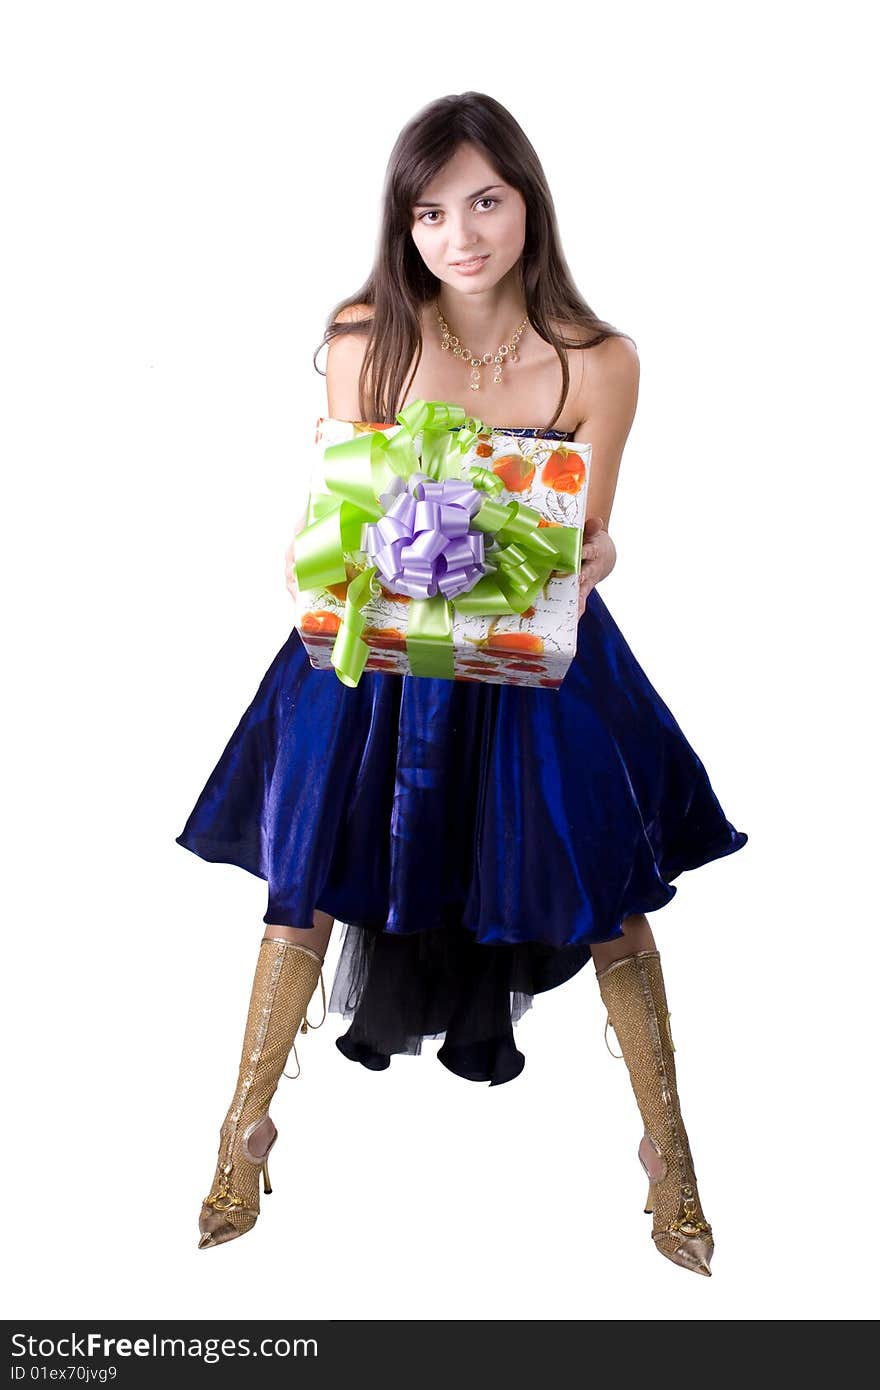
284,982
633,992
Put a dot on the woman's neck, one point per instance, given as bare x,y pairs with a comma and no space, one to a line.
483,320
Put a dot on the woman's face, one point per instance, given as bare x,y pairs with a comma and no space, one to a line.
467,210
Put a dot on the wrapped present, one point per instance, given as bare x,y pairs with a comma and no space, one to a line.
437,547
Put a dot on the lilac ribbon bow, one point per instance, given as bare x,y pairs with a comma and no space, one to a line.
423,545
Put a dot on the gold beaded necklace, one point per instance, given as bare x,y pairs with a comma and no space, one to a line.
505,351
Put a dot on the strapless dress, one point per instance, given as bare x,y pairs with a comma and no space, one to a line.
474,839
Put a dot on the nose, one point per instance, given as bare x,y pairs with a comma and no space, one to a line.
462,236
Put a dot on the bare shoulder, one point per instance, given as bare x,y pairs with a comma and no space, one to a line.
609,378
612,366
345,355
354,313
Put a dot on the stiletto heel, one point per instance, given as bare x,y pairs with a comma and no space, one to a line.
634,994
284,982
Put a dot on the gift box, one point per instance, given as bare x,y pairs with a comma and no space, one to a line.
442,548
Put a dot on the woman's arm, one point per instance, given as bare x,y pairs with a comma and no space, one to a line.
290,559
344,357
607,397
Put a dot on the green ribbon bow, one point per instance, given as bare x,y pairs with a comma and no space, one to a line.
358,471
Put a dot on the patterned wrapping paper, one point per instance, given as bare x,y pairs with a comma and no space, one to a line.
535,647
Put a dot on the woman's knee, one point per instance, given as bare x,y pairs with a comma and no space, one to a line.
637,936
315,937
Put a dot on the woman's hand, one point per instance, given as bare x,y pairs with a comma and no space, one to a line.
599,556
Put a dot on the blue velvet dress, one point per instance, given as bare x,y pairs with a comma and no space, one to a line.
474,839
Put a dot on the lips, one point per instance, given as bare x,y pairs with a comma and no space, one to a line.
472,260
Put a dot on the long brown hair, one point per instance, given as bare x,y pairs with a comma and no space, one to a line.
400,282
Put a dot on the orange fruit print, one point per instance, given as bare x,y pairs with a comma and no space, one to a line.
320,621
392,596
564,471
388,637
527,643
515,471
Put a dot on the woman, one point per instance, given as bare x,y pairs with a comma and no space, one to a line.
481,842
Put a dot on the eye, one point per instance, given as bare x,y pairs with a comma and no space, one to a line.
432,211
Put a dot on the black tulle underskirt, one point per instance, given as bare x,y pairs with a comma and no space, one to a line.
399,989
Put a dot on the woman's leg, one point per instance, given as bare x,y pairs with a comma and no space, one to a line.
317,937
288,969
631,984
637,936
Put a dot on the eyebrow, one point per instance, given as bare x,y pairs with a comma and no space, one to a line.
466,199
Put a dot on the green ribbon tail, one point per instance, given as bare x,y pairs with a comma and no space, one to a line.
429,638
350,651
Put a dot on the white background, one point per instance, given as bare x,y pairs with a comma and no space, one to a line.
190,188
